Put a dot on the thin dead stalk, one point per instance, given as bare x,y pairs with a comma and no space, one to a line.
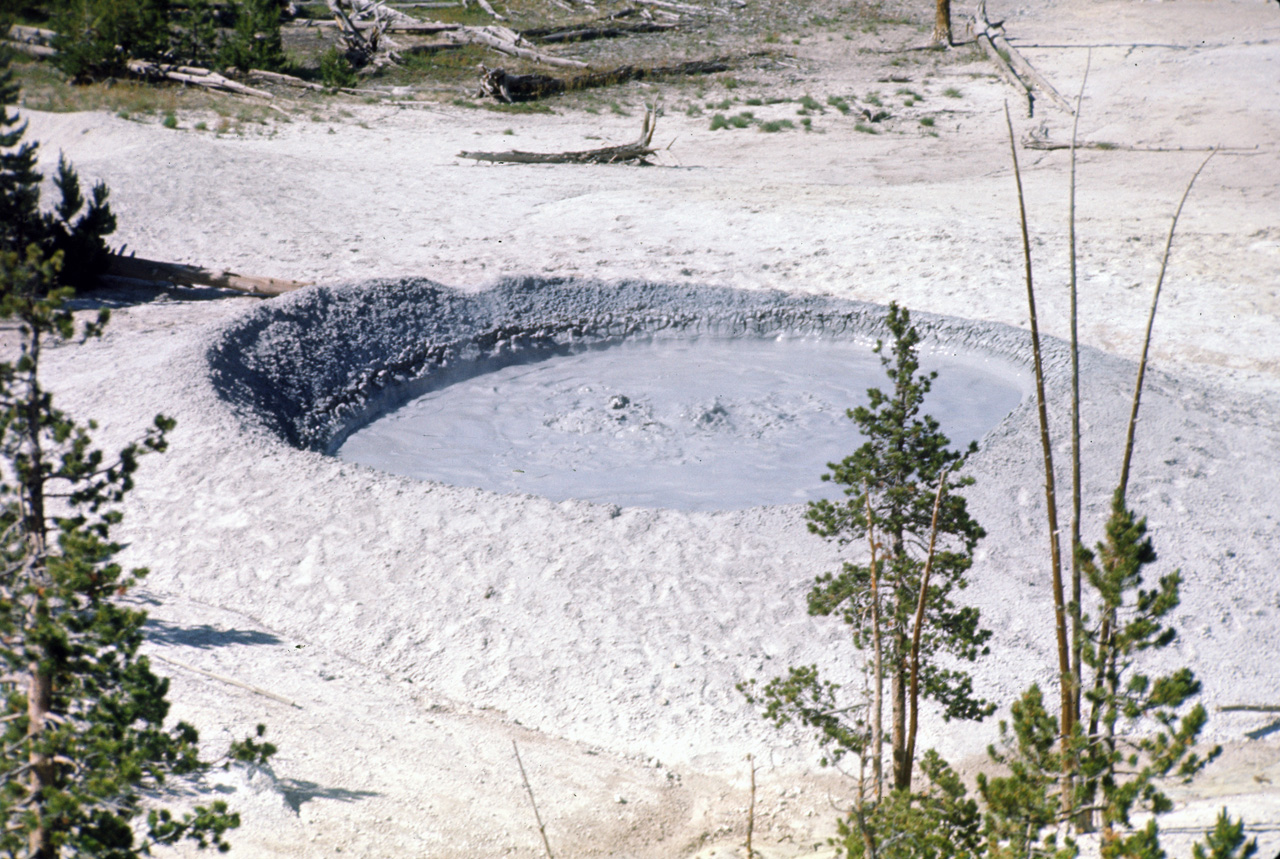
230,681
542,827
1146,340
751,809
1050,490
1077,640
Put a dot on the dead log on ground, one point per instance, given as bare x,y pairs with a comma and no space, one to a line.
427,27
192,75
287,80
586,32
1013,67
982,35
683,7
508,42
33,41
513,88
136,268
637,152
1039,143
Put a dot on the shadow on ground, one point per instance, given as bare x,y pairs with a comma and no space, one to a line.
296,792
205,636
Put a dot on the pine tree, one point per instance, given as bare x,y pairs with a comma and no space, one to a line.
899,487
1139,731
83,739
76,227
1225,841
97,38
19,179
256,41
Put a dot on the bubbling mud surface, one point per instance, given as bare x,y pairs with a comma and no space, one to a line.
690,424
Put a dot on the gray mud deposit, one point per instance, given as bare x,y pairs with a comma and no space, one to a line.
633,393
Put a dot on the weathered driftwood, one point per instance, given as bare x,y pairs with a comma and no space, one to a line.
512,88
379,11
1039,143
31,49
1013,67
416,27
637,152
683,7
484,4
192,75
33,41
982,35
136,268
287,80
509,42
588,32
1028,72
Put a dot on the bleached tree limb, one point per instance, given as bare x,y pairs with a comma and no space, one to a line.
136,268
193,75
230,681
982,35
636,152
508,42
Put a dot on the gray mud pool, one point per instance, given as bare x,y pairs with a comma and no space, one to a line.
636,394
697,424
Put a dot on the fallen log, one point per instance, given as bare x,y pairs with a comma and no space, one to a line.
1028,72
683,7
507,88
33,41
29,48
1039,143
508,42
288,80
982,35
637,152
192,75
136,268
555,35
416,27
1013,67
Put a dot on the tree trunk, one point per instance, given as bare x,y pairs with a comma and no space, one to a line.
913,699
942,23
40,688
877,715
39,703
901,761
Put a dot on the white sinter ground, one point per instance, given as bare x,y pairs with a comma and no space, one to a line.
421,627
